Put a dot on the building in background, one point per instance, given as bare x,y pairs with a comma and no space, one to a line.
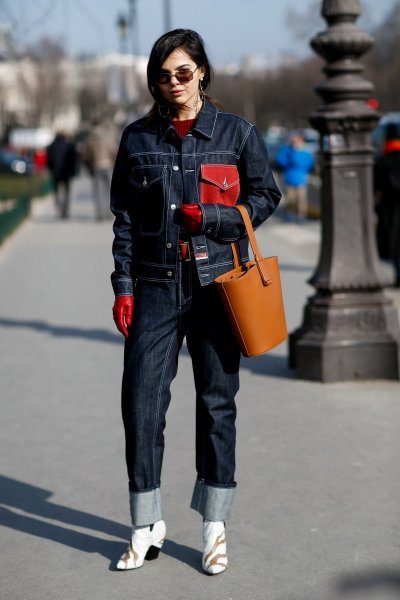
54,91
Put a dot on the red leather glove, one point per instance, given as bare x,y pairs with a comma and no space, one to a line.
192,217
123,313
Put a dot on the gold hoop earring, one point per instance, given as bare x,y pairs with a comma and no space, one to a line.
201,91
160,107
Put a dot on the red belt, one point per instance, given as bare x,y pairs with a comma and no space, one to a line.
184,252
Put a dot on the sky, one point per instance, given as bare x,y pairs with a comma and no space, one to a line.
230,28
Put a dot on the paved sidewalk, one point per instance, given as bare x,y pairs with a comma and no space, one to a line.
318,499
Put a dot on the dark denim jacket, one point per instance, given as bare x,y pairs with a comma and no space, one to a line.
221,162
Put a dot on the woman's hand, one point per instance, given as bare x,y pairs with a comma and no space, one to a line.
123,313
192,217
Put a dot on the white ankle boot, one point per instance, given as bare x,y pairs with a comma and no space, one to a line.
146,543
214,559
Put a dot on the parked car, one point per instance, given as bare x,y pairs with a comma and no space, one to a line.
11,162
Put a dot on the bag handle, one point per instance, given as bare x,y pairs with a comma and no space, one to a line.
253,243
250,233
236,254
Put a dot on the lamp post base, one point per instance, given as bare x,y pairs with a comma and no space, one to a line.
347,336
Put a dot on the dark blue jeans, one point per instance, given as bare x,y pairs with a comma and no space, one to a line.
164,314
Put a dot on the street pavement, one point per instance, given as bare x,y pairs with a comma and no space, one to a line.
317,511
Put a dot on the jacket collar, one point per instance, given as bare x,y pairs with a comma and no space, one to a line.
205,123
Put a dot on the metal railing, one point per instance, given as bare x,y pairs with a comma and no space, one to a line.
15,206
13,211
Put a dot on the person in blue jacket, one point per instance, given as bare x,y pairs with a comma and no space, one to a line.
296,161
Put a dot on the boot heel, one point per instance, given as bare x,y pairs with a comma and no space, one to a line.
153,552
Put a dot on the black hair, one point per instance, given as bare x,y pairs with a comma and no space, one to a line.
189,41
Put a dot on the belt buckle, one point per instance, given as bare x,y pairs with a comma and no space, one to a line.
184,252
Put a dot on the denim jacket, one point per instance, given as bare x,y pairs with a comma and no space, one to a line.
220,162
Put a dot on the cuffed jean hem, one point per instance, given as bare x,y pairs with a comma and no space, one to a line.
145,507
213,503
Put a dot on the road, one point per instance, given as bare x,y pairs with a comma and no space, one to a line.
318,498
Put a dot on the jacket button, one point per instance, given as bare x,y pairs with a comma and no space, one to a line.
173,206
175,168
169,245
169,273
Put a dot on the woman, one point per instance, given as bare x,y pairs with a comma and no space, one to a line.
178,174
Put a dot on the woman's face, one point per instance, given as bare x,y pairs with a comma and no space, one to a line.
180,94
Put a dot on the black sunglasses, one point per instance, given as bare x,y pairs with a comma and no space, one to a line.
183,76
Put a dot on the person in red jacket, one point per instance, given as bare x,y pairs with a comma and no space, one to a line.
178,174
40,160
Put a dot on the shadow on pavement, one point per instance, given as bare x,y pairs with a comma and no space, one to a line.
293,267
268,364
185,554
369,584
377,584
34,502
62,535
44,219
98,335
271,365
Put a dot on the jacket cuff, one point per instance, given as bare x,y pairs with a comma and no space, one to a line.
211,219
122,287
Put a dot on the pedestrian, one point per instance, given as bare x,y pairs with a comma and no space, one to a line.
179,172
387,194
296,161
99,157
62,164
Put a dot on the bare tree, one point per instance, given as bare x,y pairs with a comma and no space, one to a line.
282,96
286,95
93,100
44,83
383,63
303,24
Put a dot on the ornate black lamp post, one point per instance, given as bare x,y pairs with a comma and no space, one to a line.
122,25
350,329
167,15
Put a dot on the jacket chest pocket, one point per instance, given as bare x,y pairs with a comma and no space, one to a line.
219,184
149,184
